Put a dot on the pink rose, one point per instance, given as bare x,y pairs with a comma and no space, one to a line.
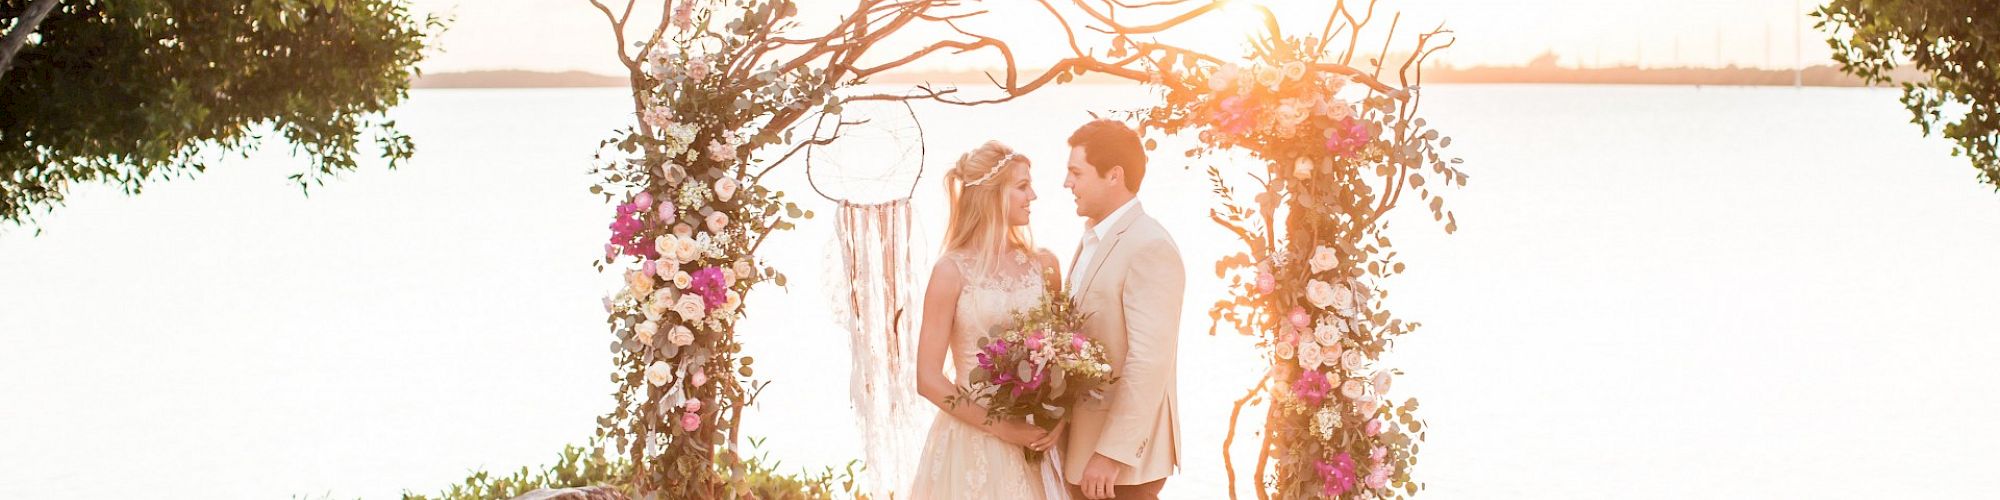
725,188
1379,453
683,230
649,266
690,421
720,151
697,68
610,252
1299,318
645,199
1366,406
717,221
700,378
1352,360
691,406
667,211
1378,479
1076,343
684,16
1381,382
1266,283
1374,427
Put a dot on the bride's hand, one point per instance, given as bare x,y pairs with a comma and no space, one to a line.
1049,440
1019,433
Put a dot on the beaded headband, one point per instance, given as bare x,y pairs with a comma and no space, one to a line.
997,167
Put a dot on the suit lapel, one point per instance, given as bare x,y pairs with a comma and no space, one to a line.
1103,252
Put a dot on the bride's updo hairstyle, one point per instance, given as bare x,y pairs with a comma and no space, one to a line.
976,187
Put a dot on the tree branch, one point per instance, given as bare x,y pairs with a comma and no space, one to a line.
18,37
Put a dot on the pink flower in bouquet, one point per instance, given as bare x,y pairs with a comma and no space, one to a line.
1378,479
697,68
690,421
1381,382
725,189
610,252
1346,137
1300,319
1352,360
1034,340
680,336
1238,114
708,283
1266,283
1311,388
1378,454
721,151
658,117
1076,342
649,267
691,406
699,378
643,200
1374,427
684,16
1337,475
1223,78
717,221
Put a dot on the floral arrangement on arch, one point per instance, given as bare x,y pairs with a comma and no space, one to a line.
1339,148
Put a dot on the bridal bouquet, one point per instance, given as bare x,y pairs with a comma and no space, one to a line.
1038,369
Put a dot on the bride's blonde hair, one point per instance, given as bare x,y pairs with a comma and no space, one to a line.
977,189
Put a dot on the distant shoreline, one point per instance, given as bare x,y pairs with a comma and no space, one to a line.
1815,76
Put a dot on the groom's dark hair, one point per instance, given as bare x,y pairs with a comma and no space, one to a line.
1109,143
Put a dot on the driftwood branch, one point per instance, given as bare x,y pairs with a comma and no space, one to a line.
18,36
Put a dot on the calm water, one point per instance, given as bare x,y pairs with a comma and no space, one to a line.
1656,292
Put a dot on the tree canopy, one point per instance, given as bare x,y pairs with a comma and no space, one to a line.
134,91
1956,42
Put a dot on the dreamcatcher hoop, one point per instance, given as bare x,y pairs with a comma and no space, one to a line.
871,250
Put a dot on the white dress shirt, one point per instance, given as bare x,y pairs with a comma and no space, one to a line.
1091,237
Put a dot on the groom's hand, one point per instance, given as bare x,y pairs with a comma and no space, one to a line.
1098,476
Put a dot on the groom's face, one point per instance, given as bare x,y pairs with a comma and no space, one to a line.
1092,190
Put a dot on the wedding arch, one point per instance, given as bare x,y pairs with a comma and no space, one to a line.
719,87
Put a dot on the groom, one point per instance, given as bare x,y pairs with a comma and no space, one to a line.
1127,276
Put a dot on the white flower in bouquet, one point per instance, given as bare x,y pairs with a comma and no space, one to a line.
647,330
1319,293
658,373
1352,389
1286,349
1327,334
687,250
680,336
725,189
1381,381
1330,355
657,307
744,269
1352,360
1324,422
1342,299
1309,355
1303,168
690,308
1323,259
1295,70
1223,78
731,300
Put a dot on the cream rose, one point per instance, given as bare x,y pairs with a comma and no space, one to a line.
731,300
680,336
657,308
690,308
646,330
1323,259
1286,350
1342,299
682,280
1319,294
638,283
744,269
725,188
729,277
1303,169
658,373
688,250
1352,389
1326,334
1309,355
1352,360
665,245
1381,381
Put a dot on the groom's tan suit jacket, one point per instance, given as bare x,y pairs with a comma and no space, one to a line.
1131,288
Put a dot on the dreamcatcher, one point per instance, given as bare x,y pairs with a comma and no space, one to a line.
871,172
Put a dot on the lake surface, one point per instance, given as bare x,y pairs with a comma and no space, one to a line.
1655,292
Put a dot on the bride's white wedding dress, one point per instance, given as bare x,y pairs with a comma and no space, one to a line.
960,461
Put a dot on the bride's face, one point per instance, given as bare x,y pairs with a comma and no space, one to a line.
1020,191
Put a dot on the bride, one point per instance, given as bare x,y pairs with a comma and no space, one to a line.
988,270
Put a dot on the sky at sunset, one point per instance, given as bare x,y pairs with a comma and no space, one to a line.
557,35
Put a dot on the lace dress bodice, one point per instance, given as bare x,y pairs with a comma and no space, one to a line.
988,301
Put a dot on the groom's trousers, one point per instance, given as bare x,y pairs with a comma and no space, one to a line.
1144,491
